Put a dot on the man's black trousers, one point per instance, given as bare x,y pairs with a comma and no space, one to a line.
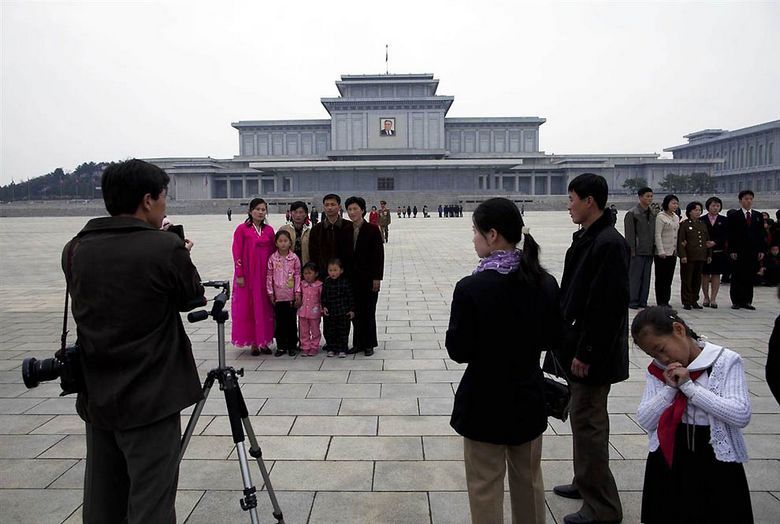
131,475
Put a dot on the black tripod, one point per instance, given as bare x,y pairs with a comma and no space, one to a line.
236,408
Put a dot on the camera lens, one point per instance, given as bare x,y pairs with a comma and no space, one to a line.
35,371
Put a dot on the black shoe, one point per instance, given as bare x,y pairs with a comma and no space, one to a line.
687,307
697,306
265,350
567,491
353,350
255,352
713,305
279,352
751,307
735,306
292,352
369,352
579,518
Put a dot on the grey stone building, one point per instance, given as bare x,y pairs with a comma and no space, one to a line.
388,136
746,158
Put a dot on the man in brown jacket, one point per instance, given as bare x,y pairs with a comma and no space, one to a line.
129,280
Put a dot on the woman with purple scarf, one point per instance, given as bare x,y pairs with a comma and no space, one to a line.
503,316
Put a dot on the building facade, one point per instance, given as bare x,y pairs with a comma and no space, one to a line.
747,158
390,134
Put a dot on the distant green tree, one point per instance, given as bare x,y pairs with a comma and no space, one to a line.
673,183
634,184
701,183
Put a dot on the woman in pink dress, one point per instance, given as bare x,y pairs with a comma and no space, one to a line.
251,309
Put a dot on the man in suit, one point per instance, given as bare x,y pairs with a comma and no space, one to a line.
366,265
388,129
330,237
746,245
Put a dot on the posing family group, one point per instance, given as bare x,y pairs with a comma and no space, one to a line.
332,271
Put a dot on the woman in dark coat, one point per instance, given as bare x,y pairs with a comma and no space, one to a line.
503,316
716,228
365,269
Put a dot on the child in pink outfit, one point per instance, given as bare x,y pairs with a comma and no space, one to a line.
310,312
283,286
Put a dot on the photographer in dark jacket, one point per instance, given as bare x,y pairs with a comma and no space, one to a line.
128,282
594,305
503,316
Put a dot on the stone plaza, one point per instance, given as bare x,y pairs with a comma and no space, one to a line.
361,440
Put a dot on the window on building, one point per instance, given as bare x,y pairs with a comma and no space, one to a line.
760,154
267,185
385,184
741,157
733,158
286,184
220,188
770,156
236,188
251,187
750,156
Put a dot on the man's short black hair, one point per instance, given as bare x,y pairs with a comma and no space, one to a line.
360,201
332,196
643,190
591,185
746,192
124,185
298,204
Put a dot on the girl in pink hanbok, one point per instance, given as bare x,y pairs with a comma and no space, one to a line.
251,309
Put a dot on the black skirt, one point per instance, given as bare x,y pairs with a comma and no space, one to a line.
698,488
719,264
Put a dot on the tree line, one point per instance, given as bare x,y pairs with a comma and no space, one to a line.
696,183
82,182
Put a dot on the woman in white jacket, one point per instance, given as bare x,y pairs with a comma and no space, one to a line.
667,223
695,402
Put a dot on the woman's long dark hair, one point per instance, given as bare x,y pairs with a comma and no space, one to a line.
253,204
503,216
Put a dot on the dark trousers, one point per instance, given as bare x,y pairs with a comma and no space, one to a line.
590,434
336,331
743,271
385,232
639,280
664,274
286,329
364,323
690,281
131,475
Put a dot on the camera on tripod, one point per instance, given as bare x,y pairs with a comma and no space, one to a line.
66,365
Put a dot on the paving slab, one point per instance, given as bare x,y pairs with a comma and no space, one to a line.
376,508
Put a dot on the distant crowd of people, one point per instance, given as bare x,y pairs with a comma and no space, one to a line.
742,246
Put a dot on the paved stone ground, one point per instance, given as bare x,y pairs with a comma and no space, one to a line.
357,440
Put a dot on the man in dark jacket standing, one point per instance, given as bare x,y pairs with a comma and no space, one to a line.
129,281
594,306
746,246
331,237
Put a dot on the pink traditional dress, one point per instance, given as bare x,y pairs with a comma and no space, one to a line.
250,308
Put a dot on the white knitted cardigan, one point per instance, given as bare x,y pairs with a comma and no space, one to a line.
725,399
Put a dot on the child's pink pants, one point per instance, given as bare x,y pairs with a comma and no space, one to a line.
309,329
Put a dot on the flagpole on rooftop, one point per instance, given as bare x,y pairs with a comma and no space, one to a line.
387,63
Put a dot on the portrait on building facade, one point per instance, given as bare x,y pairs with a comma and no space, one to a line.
387,127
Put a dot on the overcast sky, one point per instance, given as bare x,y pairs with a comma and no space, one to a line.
91,81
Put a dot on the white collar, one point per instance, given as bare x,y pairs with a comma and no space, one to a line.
709,354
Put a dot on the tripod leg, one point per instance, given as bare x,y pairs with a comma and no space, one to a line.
236,408
185,439
257,453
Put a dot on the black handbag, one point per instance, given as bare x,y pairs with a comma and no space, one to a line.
556,390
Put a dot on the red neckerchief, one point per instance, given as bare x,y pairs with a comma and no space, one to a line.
672,416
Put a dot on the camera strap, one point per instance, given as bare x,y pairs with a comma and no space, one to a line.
68,262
